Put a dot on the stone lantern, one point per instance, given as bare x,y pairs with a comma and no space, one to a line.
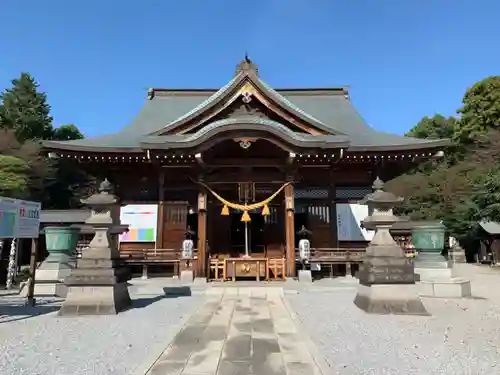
186,265
304,244
304,274
386,276
98,286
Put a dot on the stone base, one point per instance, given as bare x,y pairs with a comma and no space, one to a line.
430,274
401,299
187,277
452,288
96,300
50,275
47,288
305,276
457,256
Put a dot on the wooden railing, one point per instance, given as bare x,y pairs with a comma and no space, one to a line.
150,256
342,255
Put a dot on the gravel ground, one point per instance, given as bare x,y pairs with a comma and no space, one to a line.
461,337
40,343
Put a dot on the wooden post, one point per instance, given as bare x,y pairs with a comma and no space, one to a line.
332,205
290,230
33,261
161,213
202,235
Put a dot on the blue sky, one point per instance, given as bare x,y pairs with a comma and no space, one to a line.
403,59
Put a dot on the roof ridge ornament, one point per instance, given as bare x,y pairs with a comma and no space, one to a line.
247,66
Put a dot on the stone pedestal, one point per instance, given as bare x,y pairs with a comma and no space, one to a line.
437,278
187,277
51,274
390,299
457,255
305,276
455,287
387,286
60,242
98,286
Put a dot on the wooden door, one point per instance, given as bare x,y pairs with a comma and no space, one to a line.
174,224
274,231
318,217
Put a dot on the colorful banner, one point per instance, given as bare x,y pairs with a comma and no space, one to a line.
349,218
19,219
142,221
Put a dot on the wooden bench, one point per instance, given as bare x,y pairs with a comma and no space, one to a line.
150,257
278,268
217,267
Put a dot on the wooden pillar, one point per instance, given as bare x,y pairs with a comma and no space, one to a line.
290,231
202,235
161,208
332,205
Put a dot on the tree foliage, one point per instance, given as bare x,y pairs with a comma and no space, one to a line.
14,177
463,188
66,133
25,110
24,121
39,167
480,111
436,127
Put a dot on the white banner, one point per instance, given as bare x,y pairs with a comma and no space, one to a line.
19,219
349,218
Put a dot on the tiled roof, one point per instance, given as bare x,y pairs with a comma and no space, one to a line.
329,107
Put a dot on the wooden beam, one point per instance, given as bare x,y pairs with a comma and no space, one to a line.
238,162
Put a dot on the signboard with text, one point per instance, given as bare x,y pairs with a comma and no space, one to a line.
19,219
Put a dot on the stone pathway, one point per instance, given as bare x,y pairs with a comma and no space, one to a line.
238,334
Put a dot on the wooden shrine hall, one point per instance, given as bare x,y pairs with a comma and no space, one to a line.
243,168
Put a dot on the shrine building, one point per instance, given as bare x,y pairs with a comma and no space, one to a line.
245,167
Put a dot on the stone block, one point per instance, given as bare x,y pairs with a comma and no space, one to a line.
305,276
386,270
49,277
57,289
95,300
401,299
187,277
429,274
452,288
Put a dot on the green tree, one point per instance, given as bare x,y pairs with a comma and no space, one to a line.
39,169
14,178
25,110
436,127
66,133
480,111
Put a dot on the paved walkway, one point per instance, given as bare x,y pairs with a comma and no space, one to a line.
239,335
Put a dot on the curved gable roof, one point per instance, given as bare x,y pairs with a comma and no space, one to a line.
329,109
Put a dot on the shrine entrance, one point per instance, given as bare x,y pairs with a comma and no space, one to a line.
246,231
247,235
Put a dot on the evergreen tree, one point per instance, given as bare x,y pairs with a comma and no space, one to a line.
25,110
